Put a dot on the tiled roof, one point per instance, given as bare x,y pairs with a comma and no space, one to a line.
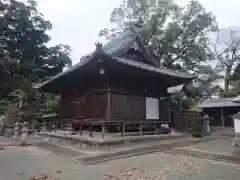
175,89
148,67
117,47
236,115
220,102
236,99
113,48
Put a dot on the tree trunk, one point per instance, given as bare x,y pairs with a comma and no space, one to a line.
226,84
226,79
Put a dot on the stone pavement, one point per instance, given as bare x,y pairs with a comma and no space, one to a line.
8,141
22,162
19,163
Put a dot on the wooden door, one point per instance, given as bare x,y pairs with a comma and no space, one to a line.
152,108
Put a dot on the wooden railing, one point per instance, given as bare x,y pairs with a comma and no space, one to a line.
104,124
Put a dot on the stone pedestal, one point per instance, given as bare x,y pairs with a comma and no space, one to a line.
1,130
236,141
54,128
2,123
44,127
8,132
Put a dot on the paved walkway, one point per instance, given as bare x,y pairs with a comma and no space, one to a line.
4,141
21,163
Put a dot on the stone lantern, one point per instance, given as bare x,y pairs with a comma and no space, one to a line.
206,121
17,130
24,132
44,127
236,121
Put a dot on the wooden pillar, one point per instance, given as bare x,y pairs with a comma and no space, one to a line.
108,109
90,130
123,128
81,130
140,129
103,130
186,122
155,128
94,106
170,110
222,117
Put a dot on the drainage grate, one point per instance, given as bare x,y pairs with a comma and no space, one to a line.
58,149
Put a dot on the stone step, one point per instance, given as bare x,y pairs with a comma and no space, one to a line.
106,154
134,151
59,150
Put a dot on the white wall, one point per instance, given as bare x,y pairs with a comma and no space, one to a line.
236,125
152,108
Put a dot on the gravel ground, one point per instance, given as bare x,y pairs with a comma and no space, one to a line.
22,163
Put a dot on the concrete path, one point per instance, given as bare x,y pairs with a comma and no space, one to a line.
20,163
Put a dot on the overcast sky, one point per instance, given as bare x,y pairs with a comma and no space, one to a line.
78,22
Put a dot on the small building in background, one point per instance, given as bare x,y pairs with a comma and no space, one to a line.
220,110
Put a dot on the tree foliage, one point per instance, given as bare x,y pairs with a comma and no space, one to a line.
227,53
234,81
177,35
23,38
205,84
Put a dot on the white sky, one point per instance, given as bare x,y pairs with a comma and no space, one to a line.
78,22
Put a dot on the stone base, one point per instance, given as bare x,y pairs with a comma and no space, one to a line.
24,144
107,141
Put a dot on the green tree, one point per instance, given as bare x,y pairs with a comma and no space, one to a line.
176,35
7,66
23,36
205,84
234,81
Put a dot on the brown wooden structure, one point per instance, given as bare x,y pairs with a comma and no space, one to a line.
119,82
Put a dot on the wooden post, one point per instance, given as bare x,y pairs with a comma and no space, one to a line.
94,106
140,129
81,130
103,130
108,109
123,129
222,117
155,128
90,130
186,122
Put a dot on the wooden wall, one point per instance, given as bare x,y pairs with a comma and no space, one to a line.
130,107
122,107
87,106
127,107
164,110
